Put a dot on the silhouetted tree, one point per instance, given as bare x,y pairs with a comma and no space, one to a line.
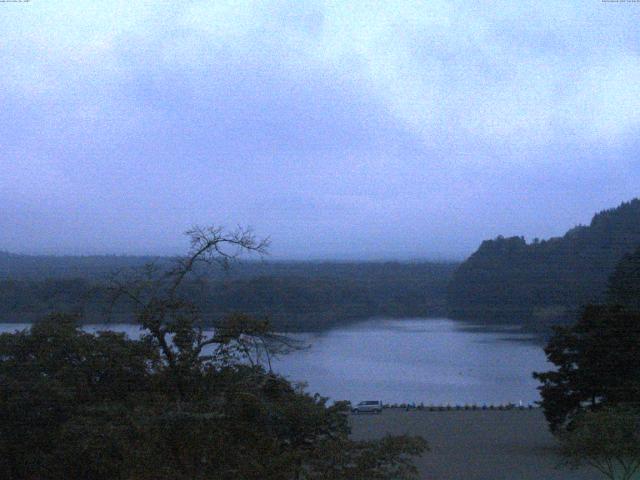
597,364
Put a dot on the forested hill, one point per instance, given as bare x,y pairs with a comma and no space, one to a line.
294,295
624,283
508,279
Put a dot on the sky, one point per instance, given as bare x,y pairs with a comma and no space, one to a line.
341,130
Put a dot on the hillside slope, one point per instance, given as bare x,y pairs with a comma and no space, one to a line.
624,283
510,280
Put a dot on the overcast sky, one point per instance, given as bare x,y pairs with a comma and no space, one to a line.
340,129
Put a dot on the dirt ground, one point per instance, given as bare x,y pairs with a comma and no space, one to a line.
476,445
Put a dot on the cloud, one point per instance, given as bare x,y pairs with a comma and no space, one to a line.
319,116
441,69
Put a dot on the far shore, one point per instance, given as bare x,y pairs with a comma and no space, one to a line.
476,444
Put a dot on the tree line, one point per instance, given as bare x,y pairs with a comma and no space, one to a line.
293,295
510,280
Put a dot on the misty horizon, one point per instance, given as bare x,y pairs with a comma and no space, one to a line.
403,257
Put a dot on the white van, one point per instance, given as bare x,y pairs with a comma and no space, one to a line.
374,406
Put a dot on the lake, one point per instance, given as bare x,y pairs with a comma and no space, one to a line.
434,361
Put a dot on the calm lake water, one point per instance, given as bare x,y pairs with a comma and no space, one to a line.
435,361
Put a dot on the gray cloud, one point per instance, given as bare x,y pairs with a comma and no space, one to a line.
410,129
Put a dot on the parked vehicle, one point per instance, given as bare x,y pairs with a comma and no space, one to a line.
374,406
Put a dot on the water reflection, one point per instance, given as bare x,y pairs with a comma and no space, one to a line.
417,360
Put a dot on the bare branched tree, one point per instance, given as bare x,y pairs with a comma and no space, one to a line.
175,324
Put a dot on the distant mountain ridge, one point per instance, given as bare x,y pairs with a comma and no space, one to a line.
18,266
508,279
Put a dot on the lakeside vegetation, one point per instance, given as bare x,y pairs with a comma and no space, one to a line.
292,295
546,281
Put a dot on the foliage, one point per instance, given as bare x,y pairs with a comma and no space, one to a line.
67,399
294,296
176,404
607,439
598,364
624,283
508,279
